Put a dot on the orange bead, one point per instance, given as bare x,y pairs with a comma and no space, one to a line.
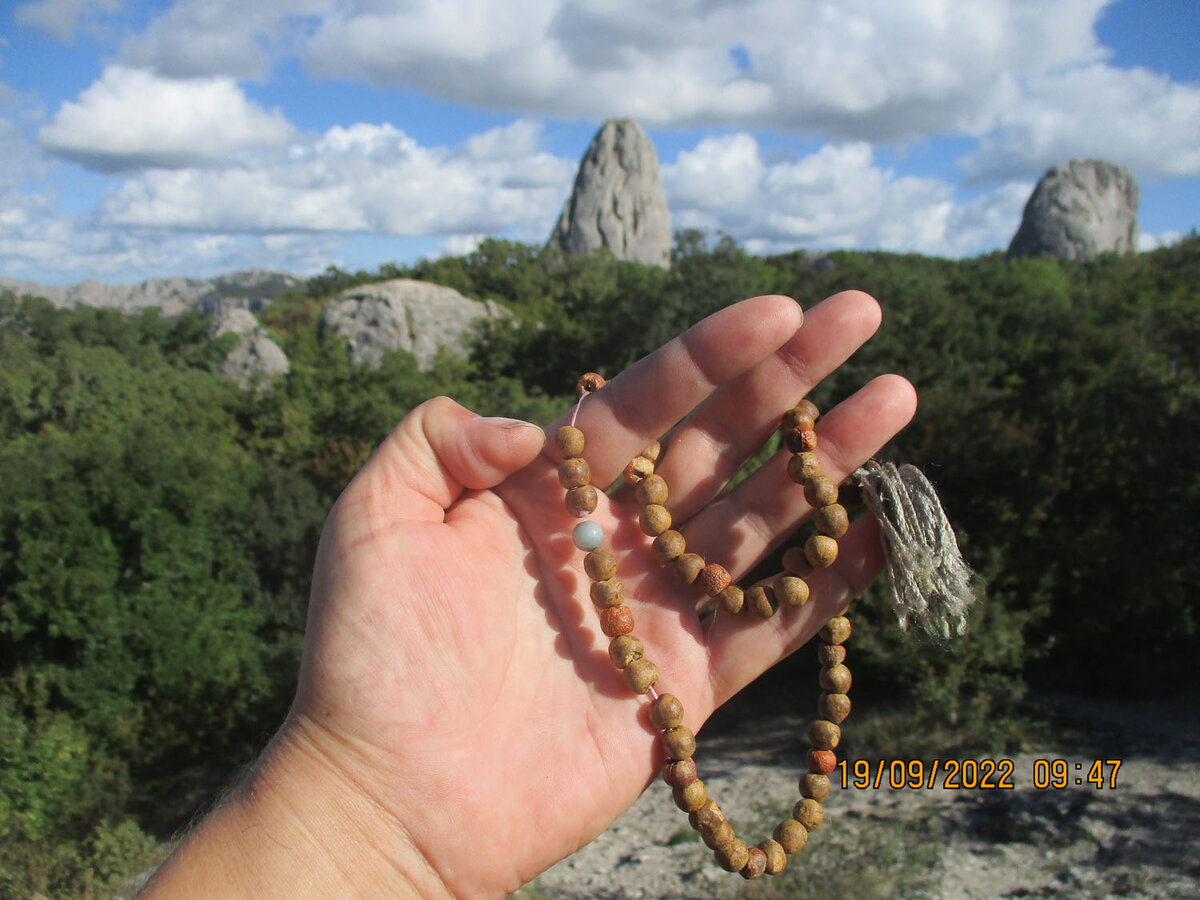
713,579
616,620
820,761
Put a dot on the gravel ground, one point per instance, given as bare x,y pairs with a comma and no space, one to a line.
1140,838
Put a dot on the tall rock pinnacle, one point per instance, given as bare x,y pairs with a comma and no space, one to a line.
618,200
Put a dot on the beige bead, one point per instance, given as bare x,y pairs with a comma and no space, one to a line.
733,856
600,564
574,472
569,441
732,600
654,519
652,489
805,409
582,500
756,864
815,785
791,835
690,797
666,712
804,466
679,772
706,818
792,591
832,520
809,813
637,469
719,836
668,546
761,602
796,562
713,579
834,707
776,857
624,649
607,593
679,743
820,490
821,550
823,734
835,679
641,675
652,452
836,630
831,654
688,566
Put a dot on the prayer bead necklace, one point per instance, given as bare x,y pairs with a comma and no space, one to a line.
641,675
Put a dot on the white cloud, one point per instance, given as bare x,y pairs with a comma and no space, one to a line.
130,118
62,18
362,178
836,197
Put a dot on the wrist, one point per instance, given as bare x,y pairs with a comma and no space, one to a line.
298,826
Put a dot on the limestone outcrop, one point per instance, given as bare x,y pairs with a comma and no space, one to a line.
618,200
403,314
1079,210
255,358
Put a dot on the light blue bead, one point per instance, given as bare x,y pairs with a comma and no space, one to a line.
587,536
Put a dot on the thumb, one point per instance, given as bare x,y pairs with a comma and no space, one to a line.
441,449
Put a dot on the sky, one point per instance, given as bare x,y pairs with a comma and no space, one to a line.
150,138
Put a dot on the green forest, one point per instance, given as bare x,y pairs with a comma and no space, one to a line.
158,524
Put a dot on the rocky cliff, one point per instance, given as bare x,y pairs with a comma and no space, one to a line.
1079,210
255,357
403,315
618,200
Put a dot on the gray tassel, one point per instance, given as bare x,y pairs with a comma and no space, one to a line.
931,583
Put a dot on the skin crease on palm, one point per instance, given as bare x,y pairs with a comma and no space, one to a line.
455,682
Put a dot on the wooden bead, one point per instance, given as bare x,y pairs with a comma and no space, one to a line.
713,579
756,864
569,441
809,813
836,630
637,469
823,734
791,835
835,679
679,743
654,519
600,564
732,600
641,675
690,797
796,562
820,761
832,519
616,620
804,466
688,566
800,439
668,546
680,772
574,472
792,591
804,410
624,649
652,489
820,490
831,654
666,712
733,856
706,818
588,383
834,707
719,836
761,602
652,452
775,854
607,593
582,500
815,786
821,550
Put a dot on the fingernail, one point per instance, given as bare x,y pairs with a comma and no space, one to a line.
501,422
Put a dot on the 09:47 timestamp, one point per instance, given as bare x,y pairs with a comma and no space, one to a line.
1061,773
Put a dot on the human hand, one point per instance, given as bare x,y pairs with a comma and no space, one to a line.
456,699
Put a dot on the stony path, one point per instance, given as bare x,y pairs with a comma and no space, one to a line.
1140,838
